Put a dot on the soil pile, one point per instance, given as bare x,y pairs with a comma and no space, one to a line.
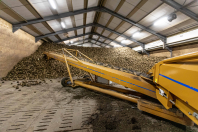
36,66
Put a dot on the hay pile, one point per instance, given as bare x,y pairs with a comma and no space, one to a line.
36,66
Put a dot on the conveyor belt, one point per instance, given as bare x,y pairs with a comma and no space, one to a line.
122,78
174,82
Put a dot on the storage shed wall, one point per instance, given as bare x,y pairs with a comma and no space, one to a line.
14,46
177,50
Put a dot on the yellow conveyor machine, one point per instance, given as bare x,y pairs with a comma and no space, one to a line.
174,85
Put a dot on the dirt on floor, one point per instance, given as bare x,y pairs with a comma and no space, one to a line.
48,106
110,114
116,115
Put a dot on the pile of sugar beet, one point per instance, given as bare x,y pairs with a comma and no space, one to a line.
36,66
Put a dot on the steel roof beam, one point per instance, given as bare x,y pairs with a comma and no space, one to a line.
91,24
18,26
79,41
86,39
62,31
181,8
104,9
96,44
83,42
110,39
122,35
119,34
101,42
95,40
96,25
72,37
91,43
90,33
81,36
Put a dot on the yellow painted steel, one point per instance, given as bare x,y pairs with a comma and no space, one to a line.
178,76
65,57
157,110
186,109
174,83
112,93
180,79
122,78
143,105
121,90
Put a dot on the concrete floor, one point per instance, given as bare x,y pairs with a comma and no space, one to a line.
45,107
49,107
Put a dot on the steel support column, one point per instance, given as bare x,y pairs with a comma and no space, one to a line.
167,48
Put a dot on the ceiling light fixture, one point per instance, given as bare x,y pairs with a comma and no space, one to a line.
137,48
116,46
123,41
136,34
161,21
52,3
63,24
172,17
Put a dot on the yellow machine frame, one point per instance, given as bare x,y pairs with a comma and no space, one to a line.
174,83
176,79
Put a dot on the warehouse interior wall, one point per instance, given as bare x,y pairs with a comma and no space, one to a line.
180,50
14,46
